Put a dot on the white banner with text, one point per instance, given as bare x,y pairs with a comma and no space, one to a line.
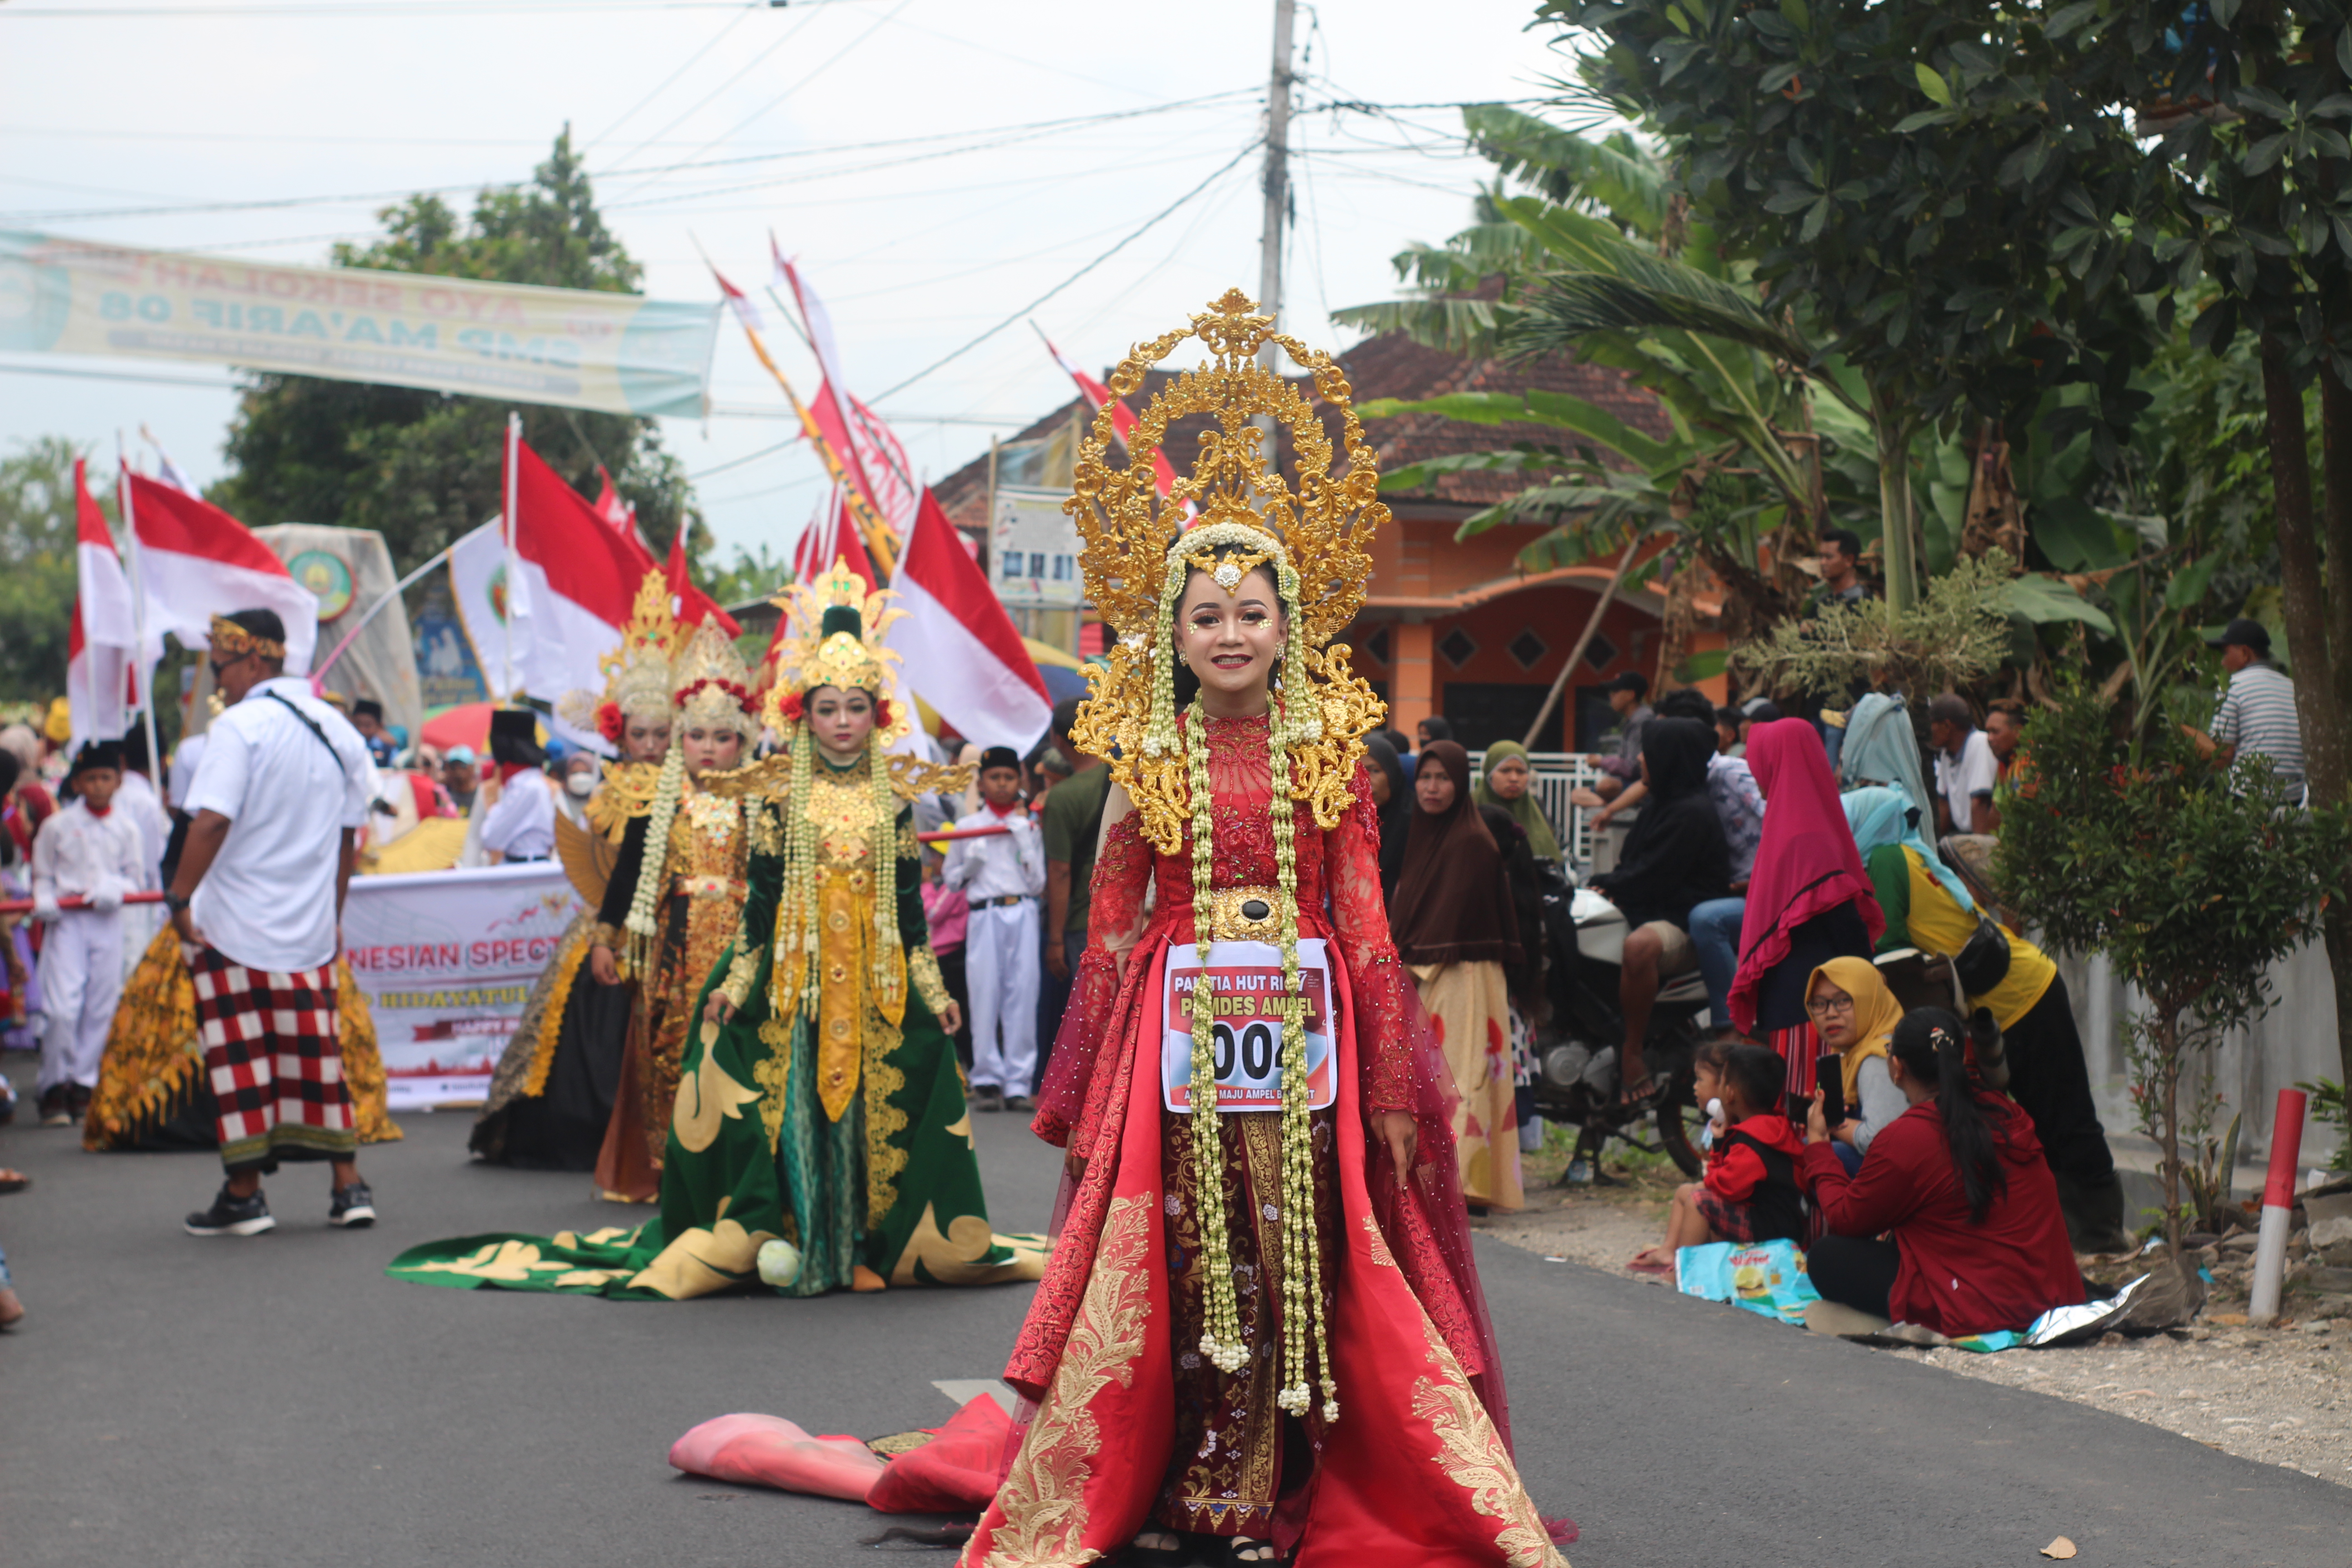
574,348
448,959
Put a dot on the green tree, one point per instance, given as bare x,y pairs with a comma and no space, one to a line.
2190,877
423,468
38,568
2262,173
1942,193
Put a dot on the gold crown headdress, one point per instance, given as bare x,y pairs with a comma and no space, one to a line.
1137,559
637,671
835,639
713,684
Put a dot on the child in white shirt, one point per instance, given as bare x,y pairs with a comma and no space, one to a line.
1001,875
93,852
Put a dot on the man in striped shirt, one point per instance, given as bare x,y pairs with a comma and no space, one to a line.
2257,713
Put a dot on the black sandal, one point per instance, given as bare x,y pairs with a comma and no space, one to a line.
1234,1546
1642,1095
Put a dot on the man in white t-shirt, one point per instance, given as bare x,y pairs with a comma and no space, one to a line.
1966,768
284,787
521,823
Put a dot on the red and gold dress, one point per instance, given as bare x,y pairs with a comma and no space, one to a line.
1133,1425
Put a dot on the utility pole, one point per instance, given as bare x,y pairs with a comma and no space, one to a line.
1277,175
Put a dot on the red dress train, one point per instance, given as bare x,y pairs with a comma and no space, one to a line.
1418,1466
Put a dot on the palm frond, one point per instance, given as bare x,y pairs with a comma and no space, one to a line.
1615,175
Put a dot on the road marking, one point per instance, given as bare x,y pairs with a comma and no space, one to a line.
964,1389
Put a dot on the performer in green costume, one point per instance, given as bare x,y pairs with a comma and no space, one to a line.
820,1137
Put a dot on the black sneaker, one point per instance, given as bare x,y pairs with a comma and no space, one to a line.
57,1110
987,1096
1019,1102
78,1097
232,1216
353,1208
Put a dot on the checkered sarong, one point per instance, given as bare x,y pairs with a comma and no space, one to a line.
274,1061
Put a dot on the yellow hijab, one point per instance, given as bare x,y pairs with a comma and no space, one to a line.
1875,1013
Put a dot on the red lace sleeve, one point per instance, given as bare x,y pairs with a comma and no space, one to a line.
1090,1023
1386,1003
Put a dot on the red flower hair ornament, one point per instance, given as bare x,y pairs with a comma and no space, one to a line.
792,708
609,723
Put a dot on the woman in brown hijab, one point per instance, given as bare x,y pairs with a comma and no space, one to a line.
1453,926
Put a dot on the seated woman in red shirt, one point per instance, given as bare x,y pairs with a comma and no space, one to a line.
1958,1183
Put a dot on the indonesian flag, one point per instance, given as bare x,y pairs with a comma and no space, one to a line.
746,311
576,582
958,648
102,642
690,604
1122,417
620,514
196,562
869,450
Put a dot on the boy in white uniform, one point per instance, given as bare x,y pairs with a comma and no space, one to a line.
1001,875
93,852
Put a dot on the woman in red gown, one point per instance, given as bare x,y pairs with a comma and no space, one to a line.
1261,1326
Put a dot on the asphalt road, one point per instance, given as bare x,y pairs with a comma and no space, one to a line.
278,1401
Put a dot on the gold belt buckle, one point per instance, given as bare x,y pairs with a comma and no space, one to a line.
1244,914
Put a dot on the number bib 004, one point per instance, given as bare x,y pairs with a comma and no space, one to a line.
1243,982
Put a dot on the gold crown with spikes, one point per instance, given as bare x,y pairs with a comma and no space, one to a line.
713,684
1139,555
637,669
835,639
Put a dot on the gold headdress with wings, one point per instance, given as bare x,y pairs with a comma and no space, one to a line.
1139,555
835,639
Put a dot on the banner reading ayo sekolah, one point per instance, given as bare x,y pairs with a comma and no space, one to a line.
620,354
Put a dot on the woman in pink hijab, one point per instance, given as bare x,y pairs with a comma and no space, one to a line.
1808,901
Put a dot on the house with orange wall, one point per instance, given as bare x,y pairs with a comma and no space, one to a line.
1450,626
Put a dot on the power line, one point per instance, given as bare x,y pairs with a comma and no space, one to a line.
1147,225
831,61
691,62
695,108
1072,122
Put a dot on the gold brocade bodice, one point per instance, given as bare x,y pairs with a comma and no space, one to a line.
706,849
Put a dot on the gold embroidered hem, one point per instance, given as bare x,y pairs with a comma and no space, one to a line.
1043,1499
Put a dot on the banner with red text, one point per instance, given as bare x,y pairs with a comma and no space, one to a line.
576,348
448,959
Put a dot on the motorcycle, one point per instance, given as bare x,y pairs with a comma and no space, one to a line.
1577,1078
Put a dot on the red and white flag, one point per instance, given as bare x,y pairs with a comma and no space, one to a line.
875,460
196,562
746,309
690,604
958,648
541,633
1122,417
101,645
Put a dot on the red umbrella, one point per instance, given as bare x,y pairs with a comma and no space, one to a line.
467,724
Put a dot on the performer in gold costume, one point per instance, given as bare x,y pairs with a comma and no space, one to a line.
552,1098
819,1138
671,906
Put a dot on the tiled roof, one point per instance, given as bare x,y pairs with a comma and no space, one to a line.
1390,365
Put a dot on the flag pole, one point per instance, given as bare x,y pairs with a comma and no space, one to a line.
318,676
138,611
506,533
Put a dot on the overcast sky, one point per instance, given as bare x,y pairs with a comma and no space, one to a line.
169,115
